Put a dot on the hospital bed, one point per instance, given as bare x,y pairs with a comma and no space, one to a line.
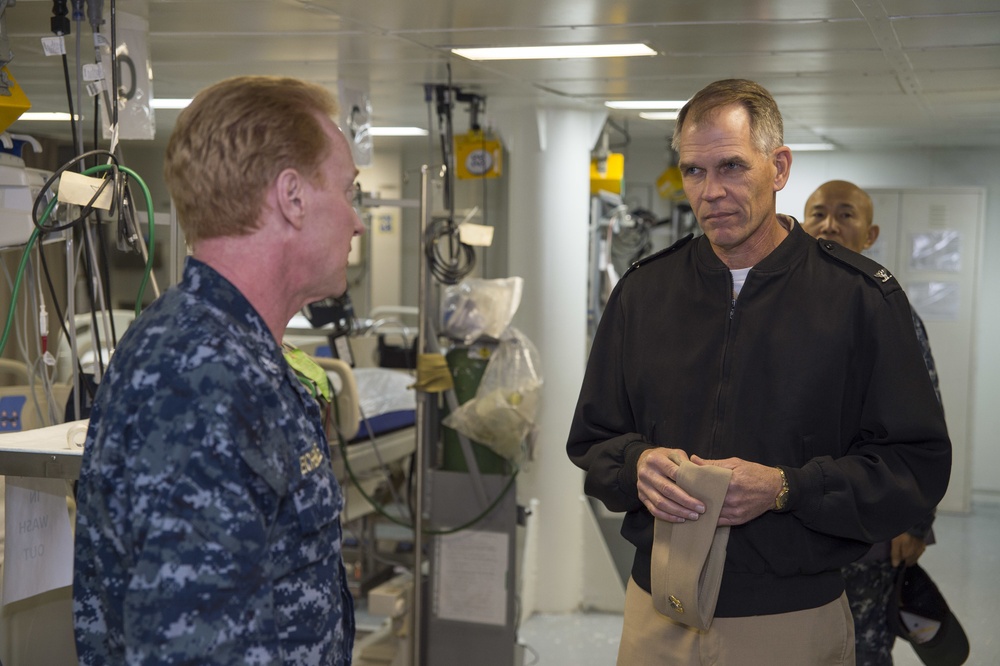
376,415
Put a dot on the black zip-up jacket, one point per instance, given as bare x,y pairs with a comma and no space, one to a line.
814,368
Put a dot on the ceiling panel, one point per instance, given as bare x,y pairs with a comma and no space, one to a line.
947,31
898,8
864,73
516,14
248,17
984,58
673,38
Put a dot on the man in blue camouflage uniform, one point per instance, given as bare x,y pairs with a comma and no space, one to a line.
208,527
843,212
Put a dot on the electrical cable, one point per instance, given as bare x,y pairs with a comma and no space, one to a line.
78,17
378,455
22,344
88,253
14,290
89,279
104,269
40,228
42,198
116,205
95,263
32,304
150,247
60,27
385,514
439,264
69,94
114,71
445,103
32,298
97,115
58,312
460,259
20,336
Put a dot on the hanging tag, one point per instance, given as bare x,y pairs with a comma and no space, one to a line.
53,46
475,234
75,188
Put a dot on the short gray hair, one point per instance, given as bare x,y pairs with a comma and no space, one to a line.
766,126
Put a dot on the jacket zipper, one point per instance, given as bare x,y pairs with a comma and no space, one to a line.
723,379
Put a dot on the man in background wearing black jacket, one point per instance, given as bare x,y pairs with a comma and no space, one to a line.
843,212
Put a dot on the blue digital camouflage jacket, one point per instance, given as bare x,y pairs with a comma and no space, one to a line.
208,513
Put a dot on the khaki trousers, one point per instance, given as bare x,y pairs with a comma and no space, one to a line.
821,636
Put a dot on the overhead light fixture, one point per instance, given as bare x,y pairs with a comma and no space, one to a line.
45,115
156,103
168,103
397,131
807,147
564,51
645,104
659,115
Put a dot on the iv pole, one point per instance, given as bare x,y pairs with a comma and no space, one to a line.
424,425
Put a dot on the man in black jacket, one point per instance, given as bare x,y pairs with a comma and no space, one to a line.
843,212
789,362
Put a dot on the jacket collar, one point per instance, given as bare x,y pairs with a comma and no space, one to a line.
779,259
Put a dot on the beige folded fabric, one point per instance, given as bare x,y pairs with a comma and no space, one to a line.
687,558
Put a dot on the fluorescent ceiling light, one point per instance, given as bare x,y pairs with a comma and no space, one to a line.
556,52
167,103
397,131
156,104
812,146
43,115
640,104
659,115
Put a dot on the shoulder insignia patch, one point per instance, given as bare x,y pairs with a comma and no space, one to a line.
311,460
874,271
656,255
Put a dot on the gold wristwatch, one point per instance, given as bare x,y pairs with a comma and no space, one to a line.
781,501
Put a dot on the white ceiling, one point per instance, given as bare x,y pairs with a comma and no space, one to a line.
862,73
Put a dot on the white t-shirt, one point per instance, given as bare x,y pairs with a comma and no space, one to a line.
739,277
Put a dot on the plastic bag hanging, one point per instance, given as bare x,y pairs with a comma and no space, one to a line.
505,406
476,307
